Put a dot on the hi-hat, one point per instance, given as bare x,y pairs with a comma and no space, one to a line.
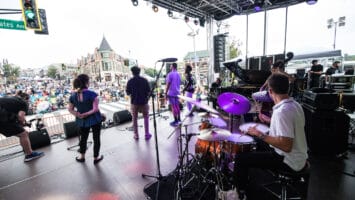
233,103
214,119
214,134
198,104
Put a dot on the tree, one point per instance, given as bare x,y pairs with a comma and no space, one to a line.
234,49
11,73
52,71
150,72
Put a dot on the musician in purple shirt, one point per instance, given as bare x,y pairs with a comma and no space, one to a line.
173,82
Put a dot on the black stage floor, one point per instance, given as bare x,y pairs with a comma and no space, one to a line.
57,176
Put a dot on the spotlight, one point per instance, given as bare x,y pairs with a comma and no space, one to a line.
196,22
311,2
187,19
155,8
202,22
135,2
258,5
170,14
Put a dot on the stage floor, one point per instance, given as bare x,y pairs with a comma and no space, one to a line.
57,176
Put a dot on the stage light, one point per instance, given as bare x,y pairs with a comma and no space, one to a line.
170,14
258,5
202,22
311,2
135,2
187,19
155,8
196,22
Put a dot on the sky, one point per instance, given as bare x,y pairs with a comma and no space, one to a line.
77,27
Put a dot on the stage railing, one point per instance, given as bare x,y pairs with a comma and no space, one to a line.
53,125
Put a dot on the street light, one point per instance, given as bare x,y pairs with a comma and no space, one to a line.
331,23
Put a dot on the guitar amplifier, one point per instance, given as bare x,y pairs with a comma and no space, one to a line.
320,99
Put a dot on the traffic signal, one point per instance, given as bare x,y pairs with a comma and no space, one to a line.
30,14
219,49
43,20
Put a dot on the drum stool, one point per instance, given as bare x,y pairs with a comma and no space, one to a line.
287,180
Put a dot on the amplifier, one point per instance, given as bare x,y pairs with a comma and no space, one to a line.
321,99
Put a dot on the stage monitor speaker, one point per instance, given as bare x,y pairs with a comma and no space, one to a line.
39,139
327,131
348,101
70,129
121,117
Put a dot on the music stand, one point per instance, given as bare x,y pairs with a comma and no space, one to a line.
159,176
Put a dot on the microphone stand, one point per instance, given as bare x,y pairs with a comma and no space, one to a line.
159,177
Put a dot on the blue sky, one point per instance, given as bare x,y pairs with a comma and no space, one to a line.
77,27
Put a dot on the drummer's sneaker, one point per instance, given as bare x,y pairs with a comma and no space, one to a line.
33,155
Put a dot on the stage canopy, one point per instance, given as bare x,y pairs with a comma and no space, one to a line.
221,9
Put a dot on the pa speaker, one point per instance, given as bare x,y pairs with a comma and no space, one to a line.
326,131
70,129
121,117
39,139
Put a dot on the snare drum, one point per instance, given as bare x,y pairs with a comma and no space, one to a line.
238,143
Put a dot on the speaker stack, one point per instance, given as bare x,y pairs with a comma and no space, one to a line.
326,127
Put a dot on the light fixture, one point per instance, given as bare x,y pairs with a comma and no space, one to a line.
311,2
258,5
135,2
170,13
155,8
202,22
187,19
341,21
196,22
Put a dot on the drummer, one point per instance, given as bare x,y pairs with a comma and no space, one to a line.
285,145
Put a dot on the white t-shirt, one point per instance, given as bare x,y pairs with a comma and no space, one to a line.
288,121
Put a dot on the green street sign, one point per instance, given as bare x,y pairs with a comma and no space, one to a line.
12,24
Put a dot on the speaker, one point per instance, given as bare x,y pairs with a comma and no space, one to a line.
70,129
348,101
326,131
39,139
121,117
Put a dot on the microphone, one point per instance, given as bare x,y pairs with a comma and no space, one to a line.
168,60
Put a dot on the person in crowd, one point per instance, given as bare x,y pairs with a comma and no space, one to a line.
189,87
84,105
172,91
332,70
138,88
214,91
314,74
284,147
12,121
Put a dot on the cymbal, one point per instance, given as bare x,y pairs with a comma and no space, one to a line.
260,127
213,119
233,103
214,134
198,104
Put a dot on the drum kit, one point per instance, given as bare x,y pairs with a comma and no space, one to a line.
215,146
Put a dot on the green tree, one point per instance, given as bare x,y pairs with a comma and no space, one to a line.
52,71
11,73
234,49
150,72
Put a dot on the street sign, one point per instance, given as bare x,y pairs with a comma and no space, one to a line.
12,24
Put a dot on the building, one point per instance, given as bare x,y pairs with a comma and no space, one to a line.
104,65
202,63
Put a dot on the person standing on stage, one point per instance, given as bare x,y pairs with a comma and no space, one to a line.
189,87
285,146
172,91
314,74
138,88
332,70
214,91
12,120
84,105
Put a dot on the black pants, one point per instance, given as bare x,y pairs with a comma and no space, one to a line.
264,158
84,134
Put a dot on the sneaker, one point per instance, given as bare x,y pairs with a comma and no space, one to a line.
136,137
173,123
33,156
148,136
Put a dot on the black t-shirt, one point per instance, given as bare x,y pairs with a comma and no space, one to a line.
316,68
331,71
13,104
